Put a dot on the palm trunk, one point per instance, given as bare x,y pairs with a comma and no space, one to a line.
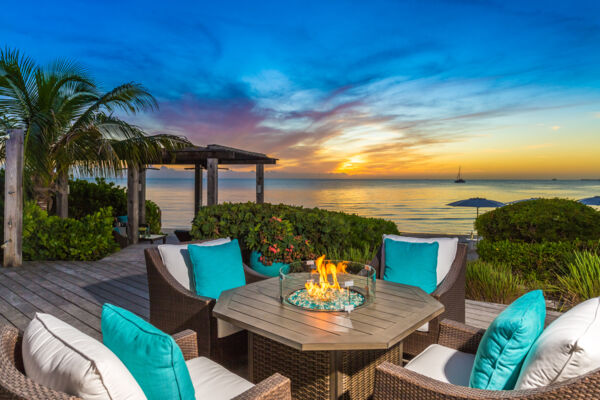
62,195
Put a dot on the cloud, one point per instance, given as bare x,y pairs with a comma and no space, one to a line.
555,128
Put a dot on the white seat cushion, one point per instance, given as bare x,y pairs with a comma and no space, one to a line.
177,260
443,364
446,251
212,381
61,357
569,347
424,327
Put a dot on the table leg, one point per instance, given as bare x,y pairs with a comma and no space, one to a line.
164,240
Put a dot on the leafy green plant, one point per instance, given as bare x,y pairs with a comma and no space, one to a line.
86,197
543,220
493,282
323,229
153,216
362,255
581,280
274,239
52,238
543,260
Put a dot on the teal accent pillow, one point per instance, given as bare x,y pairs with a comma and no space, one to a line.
217,268
268,270
152,356
122,219
507,341
412,264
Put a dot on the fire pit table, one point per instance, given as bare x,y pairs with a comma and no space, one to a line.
327,354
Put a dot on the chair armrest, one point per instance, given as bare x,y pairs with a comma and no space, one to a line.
275,387
459,336
188,343
393,382
253,276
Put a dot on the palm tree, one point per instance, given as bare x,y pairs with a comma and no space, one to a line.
70,125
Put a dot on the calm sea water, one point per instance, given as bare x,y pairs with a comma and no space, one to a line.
414,205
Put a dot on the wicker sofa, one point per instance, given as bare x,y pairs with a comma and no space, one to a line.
450,292
398,383
174,308
15,385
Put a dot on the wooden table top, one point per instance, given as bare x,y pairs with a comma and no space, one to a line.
398,310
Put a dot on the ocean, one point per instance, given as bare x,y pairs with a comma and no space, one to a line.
414,205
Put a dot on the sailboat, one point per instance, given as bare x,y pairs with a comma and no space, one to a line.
459,179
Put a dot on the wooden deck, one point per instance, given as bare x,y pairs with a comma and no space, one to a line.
75,291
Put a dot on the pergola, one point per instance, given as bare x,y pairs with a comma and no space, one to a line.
202,158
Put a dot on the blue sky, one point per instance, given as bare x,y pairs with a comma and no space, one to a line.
349,88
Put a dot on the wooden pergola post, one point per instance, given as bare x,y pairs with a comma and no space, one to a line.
133,203
197,188
142,195
212,181
13,200
260,183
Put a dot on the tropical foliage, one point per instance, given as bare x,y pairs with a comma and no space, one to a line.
70,124
493,282
323,229
581,279
542,220
48,237
275,240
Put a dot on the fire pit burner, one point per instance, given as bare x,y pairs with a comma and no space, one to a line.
325,285
338,302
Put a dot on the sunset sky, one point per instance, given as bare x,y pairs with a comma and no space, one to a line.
406,89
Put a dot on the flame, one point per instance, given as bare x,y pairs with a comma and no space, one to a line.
323,289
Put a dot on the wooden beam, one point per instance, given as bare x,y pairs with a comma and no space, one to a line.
142,195
197,189
260,184
13,200
62,194
133,205
212,181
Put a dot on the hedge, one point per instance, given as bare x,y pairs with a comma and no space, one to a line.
87,197
545,259
52,238
542,220
324,229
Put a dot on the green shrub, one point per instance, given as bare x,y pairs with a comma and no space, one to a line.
52,238
153,216
493,282
581,280
358,254
88,197
324,229
543,220
544,260
276,241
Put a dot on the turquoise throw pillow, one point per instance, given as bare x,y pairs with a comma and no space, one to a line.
268,270
507,341
152,356
412,264
217,268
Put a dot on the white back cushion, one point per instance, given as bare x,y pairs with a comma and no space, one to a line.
446,252
567,348
61,357
177,260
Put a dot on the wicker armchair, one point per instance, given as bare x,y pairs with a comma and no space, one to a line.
397,383
174,308
15,385
450,292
